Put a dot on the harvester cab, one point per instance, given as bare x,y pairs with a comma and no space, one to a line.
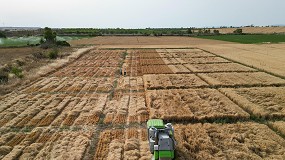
161,139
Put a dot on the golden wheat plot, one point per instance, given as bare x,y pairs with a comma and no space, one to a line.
119,144
205,60
55,109
237,79
130,83
188,53
278,126
68,85
228,141
168,81
43,143
192,104
218,67
264,102
126,108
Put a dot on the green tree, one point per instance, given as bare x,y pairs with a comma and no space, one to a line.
189,31
2,35
238,31
49,35
216,31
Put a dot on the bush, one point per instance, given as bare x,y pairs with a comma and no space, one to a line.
3,76
53,54
39,55
62,43
17,71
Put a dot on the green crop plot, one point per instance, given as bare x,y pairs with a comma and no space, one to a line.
248,39
24,41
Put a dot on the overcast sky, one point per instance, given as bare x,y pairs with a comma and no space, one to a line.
140,13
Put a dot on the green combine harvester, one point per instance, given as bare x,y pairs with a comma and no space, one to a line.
161,139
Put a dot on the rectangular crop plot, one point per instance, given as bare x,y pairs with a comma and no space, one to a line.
71,85
218,67
241,79
156,69
130,83
168,81
266,102
43,143
179,69
119,144
203,60
126,109
143,54
190,53
44,109
192,105
228,141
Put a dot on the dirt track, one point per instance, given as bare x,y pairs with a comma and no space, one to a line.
88,110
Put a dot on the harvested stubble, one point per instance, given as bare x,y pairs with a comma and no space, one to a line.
55,110
243,78
192,105
168,81
219,67
266,102
278,126
119,144
45,144
205,60
228,141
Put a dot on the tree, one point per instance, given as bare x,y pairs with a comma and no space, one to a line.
2,35
49,35
189,31
238,31
216,31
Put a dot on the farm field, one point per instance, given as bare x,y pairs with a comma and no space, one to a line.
249,39
96,107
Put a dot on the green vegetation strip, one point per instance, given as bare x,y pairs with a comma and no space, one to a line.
248,39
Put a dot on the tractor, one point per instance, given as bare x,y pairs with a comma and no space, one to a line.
161,139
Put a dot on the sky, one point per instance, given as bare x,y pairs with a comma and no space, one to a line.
140,13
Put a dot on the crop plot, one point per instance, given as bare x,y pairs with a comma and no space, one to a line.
51,110
143,54
156,69
241,79
72,85
97,107
179,69
219,67
126,109
205,60
192,105
130,143
168,81
130,83
266,102
45,144
188,53
228,141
